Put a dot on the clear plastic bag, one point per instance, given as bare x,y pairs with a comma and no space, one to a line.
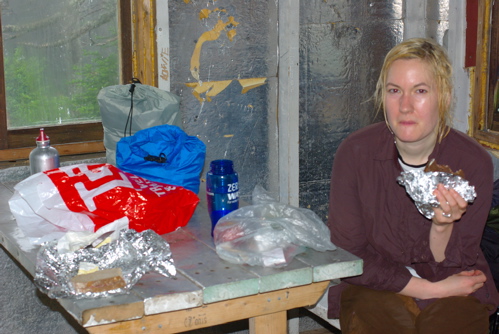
269,233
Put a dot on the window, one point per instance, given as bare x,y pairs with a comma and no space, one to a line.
57,55
486,93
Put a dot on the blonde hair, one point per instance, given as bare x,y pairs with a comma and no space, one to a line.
439,64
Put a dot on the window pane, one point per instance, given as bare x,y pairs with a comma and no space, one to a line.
58,54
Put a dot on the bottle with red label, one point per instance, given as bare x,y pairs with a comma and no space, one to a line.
43,157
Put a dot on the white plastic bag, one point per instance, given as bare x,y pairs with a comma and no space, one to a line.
85,197
269,233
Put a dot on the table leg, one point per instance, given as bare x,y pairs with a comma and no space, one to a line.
293,321
274,323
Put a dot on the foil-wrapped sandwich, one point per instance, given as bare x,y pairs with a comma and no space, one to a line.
420,185
111,269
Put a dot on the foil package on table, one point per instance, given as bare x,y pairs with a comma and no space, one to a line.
420,186
133,253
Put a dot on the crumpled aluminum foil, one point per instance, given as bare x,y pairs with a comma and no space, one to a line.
420,186
135,253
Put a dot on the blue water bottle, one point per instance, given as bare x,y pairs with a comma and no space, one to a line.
222,190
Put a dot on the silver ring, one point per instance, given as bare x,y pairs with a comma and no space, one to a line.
446,215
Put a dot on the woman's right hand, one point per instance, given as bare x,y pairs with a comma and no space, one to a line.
452,206
461,284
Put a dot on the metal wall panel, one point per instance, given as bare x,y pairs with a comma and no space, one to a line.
437,13
343,44
226,53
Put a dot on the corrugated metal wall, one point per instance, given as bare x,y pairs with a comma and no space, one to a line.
342,46
224,67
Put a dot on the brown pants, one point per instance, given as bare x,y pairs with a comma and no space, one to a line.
366,311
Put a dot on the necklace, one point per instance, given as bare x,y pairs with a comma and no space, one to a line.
405,163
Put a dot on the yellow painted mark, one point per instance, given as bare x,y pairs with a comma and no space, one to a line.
204,14
228,136
187,1
231,34
211,35
251,83
204,91
209,89
213,88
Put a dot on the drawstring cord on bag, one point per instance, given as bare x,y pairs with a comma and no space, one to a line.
130,113
162,157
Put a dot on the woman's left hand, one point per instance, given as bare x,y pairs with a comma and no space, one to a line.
452,205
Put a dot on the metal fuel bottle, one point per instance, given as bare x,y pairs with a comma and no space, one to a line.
222,190
43,157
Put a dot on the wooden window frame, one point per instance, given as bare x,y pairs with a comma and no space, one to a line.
69,139
485,74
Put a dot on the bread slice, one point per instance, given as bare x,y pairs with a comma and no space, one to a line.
99,281
432,166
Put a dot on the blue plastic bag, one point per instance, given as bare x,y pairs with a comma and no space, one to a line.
163,153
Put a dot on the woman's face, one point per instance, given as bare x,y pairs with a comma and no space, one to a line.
411,102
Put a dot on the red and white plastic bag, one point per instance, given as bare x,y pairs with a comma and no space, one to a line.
86,197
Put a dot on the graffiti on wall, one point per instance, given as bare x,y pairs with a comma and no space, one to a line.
206,90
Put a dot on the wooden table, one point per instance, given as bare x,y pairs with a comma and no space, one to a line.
207,291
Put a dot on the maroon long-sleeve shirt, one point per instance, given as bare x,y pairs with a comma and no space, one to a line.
372,216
